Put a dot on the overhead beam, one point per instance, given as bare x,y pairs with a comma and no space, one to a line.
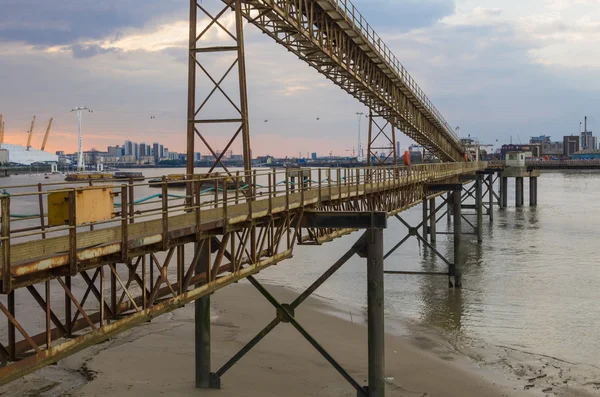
443,187
344,220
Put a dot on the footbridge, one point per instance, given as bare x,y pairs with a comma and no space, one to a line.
83,262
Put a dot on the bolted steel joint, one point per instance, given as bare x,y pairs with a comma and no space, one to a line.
214,381
281,316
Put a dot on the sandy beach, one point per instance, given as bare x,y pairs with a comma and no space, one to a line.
157,359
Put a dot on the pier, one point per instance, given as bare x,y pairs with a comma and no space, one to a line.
136,256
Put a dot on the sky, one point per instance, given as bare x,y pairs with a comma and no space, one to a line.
500,70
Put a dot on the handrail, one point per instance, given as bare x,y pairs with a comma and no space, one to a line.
222,191
361,26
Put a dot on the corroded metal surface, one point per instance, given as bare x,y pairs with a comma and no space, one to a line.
334,38
123,279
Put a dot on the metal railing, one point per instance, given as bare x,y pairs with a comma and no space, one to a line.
165,205
355,18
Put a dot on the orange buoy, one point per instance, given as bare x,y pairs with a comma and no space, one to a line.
407,158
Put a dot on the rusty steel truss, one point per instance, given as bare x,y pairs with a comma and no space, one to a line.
90,282
335,39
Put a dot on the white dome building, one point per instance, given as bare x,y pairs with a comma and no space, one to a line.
20,155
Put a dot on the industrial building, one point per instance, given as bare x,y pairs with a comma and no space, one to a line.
586,155
571,145
20,155
542,146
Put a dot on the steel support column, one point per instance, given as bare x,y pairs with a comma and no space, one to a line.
479,206
380,141
449,200
457,265
425,218
518,191
204,378
532,191
491,196
432,220
201,55
504,192
375,312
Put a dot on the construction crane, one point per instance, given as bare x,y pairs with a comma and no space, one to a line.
30,133
47,133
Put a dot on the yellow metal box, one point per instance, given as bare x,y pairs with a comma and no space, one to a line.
91,205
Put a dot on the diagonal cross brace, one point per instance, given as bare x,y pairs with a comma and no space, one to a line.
285,315
414,231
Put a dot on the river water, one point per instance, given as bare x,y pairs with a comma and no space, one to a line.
531,286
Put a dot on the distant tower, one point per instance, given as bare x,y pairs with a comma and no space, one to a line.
80,164
359,149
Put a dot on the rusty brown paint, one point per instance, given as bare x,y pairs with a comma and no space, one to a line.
55,353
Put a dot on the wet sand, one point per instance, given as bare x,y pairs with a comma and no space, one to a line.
157,359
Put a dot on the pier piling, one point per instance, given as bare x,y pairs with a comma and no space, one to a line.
204,378
456,268
533,191
518,192
504,192
491,196
432,220
479,206
449,211
376,318
425,217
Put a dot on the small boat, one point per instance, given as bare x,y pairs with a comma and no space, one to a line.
181,181
136,176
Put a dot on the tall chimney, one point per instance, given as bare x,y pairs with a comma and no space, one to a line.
580,128
585,126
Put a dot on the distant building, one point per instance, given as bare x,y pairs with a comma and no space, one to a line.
588,140
4,157
587,155
515,148
144,150
156,151
541,146
197,156
515,159
128,148
313,156
571,144
226,155
115,151
20,155
146,160
398,149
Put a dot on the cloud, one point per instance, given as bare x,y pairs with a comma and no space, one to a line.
403,15
497,71
88,50
47,23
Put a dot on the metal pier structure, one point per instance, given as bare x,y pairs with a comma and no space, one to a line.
81,263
